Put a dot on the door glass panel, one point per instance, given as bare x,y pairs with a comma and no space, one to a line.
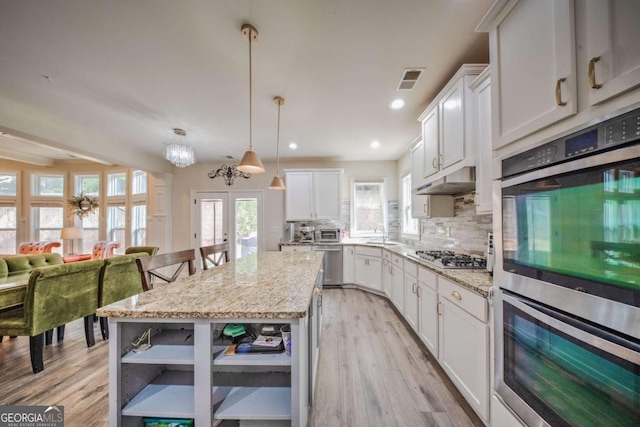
246,226
211,222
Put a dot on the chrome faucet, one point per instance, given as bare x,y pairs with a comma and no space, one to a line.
384,237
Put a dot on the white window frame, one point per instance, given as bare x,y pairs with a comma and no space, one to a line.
11,201
383,194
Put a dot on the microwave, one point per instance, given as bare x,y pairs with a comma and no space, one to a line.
328,235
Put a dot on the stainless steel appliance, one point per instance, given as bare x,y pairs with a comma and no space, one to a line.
328,235
449,259
489,253
332,264
288,232
307,233
568,264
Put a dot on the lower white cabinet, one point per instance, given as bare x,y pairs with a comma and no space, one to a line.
411,294
397,287
295,248
387,278
369,267
349,265
464,343
428,309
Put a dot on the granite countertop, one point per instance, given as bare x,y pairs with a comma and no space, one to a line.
477,280
269,285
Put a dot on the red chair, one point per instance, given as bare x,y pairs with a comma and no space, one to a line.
104,249
42,247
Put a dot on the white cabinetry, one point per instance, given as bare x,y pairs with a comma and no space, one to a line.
463,326
417,164
387,278
349,265
481,87
448,131
411,294
369,267
428,309
613,32
432,206
312,194
397,283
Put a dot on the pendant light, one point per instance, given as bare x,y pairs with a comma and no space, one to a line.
250,162
277,183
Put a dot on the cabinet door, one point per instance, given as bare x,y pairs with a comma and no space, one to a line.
428,310
533,53
430,141
484,202
299,196
348,265
613,32
397,291
374,273
326,189
361,271
411,300
417,166
469,370
386,278
452,126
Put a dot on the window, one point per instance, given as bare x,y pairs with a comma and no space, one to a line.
139,182
8,230
117,184
47,223
116,225
368,206
409,224
47,185
90,231
138,225
8,184
88,184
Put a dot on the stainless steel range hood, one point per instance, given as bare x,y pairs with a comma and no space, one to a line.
461,181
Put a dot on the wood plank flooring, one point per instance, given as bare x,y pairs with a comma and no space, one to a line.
371,372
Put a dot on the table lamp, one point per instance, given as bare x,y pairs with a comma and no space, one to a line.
71,233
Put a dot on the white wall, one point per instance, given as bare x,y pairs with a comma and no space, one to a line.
195,178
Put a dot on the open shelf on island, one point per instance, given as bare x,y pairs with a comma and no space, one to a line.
169,347
254,403
162,400
255,359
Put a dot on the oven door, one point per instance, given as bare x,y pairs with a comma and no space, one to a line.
557,370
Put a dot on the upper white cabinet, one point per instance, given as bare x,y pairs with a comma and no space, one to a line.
448,133
312,194
481,87
559,64
417,164
613,50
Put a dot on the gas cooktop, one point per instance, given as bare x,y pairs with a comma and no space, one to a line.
450,259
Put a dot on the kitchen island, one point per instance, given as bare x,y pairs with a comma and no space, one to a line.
177,377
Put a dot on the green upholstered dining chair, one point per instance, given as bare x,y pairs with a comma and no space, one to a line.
151,250
55,295
119,279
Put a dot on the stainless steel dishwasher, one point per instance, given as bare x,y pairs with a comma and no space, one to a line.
332,264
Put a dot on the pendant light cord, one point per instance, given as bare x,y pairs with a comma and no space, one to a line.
278,143
250,97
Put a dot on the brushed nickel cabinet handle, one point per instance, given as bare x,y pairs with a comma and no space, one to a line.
456,295
592,73
438,308
434,163
413,288
559,92
419,293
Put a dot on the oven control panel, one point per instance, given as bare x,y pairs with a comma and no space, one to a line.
617,131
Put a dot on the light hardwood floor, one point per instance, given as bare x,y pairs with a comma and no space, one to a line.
371,372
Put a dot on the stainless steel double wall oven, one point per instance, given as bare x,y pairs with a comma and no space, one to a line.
568,309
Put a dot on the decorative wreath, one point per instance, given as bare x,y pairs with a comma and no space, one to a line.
82,205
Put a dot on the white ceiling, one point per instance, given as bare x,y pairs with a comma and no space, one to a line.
130,71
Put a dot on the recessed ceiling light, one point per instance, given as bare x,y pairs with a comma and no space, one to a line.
293,145
397,104
375,144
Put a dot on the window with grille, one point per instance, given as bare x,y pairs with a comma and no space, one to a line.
409,224
368,206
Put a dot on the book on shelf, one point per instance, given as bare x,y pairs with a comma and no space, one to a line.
267,341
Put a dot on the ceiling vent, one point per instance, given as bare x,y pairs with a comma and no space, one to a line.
409,78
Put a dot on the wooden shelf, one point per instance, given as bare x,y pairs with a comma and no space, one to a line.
266,359
255,403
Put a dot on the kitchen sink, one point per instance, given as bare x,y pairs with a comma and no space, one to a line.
379,243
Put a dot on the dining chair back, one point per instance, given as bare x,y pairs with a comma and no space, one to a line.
149,266
151,250
43,247
214,254
104,249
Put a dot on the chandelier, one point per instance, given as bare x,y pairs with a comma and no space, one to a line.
229,173
179,154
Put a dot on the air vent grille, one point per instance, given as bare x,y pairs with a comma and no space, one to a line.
409,78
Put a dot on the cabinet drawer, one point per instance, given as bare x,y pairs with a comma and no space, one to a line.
363,250
386,255
428,278
398,260
410,268
469,301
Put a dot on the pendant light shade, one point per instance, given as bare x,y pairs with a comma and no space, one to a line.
250,162
277,183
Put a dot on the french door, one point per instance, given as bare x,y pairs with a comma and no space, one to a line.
233,216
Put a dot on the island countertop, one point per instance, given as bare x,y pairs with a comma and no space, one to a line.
267,285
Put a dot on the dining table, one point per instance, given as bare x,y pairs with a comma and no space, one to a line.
13,289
